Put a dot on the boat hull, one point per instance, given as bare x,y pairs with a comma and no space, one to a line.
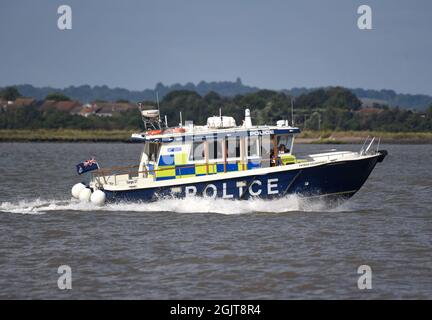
334,180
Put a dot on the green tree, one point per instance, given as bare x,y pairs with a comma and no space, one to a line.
10,93
212,97
339,97
57,96
329,109
312,100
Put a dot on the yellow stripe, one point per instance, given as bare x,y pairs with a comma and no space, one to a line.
185,176
180,158
201,168
241,166
165,171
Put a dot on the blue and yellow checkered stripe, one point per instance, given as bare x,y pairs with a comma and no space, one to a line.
175,167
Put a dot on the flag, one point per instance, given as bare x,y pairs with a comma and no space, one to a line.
87,165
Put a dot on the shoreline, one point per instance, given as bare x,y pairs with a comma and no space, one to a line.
306,137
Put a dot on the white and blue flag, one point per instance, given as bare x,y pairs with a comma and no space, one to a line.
88,165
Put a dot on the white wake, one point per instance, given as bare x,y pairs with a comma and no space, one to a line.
291,203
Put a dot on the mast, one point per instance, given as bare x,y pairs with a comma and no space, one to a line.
292,112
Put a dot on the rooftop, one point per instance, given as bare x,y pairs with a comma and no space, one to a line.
204,132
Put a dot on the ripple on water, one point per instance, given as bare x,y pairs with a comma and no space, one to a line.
203,248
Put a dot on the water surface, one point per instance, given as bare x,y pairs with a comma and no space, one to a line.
211,249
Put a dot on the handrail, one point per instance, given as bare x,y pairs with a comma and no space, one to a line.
364,144
328,156
118,168
125,170
109,171
330,153
104,172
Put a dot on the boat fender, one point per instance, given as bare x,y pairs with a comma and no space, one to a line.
85,194
98,198
76,189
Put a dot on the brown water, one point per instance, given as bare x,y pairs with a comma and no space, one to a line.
187,249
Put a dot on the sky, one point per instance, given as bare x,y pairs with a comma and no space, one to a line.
269,44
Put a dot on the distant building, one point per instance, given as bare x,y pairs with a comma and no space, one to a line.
87,110
100,109
108,109
18,103
72,107
369,111
370,103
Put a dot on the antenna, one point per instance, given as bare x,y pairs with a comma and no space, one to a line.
140,109
166,121
157,101
181,119
220,116
292,112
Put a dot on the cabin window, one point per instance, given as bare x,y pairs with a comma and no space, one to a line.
152,150
253,146
215,149
266,150
197,152
266,146
284,143
233,145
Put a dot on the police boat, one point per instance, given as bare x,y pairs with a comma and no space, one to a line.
224,160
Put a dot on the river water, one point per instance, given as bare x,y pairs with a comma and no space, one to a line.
211,249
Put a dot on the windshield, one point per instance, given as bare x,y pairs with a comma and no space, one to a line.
152,149
284,144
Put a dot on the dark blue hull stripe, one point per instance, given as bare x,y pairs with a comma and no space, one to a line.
338,179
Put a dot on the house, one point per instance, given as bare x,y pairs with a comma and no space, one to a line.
107,109
72,107
24,102
371,103
369,111
18,103
101,109
87,110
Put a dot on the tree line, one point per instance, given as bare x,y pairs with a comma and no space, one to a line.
86,93
333,108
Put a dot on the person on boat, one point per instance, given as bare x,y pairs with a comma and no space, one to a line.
272,158
283,149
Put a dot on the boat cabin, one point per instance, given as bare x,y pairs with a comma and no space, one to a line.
203,150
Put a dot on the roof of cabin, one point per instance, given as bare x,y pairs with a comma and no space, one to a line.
204,133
